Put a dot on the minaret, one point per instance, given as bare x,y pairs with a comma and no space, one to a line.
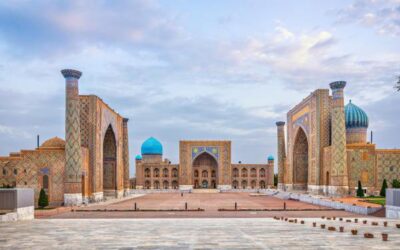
73,157
125,155
339,177
281,154
270,173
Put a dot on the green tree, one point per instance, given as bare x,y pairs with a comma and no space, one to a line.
360,191
275,180
395,183
383,189
43,199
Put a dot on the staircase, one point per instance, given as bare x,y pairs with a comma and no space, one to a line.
205,191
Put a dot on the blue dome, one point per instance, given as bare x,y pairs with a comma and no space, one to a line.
138,157
270,158
355,116
152,147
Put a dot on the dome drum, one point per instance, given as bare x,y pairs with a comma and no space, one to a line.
356,124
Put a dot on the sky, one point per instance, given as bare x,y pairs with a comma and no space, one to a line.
186,70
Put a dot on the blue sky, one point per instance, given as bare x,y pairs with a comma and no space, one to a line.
196,69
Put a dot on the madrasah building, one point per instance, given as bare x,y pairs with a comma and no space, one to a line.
326,151
202,165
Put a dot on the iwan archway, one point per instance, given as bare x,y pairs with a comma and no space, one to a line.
300,161
205,171
109,163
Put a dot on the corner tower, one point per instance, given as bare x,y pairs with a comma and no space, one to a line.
339,179
73,157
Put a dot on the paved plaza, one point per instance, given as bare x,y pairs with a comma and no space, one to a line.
260,233
209,202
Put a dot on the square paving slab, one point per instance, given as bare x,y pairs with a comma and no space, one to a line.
250,233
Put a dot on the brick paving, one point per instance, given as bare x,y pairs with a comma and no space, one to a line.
258,233
210,202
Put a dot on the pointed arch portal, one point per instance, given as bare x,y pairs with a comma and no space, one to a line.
207,168
300,160
109,163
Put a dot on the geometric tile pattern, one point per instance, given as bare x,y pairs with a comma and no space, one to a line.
199,150
125,153
339,162
73,166
388,166
361,168
281,151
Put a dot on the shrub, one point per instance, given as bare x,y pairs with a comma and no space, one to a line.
360,191
395,183
383,189
43,199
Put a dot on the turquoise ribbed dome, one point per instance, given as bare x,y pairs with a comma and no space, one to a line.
138,157
355,116
152,147
270,158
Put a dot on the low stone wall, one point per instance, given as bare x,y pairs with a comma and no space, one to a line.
393,203
153,191
321,201
20,203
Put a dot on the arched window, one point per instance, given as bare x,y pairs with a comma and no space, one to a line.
4,171
147,173
253,184
235,172
244,184
253,172
174,172
244,172
262,184
262,172
165,172
204,174
235,184
165,184
156,185
156,173
15,171
45,182
196,173
147,185
213,174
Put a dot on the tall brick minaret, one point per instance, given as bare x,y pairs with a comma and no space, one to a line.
125,155
73,157
281,154
339,177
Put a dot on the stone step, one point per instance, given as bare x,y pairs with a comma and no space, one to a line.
205,191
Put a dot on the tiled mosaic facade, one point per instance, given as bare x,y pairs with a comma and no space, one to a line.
334,165
88,163
203,164
43,167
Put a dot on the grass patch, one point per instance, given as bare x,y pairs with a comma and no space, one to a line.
376,200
